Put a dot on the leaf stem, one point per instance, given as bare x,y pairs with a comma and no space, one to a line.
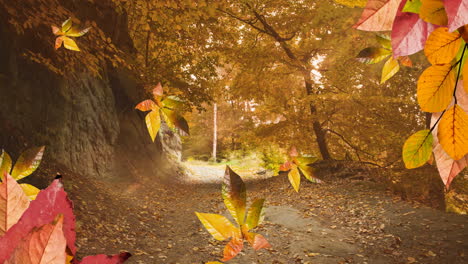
458,73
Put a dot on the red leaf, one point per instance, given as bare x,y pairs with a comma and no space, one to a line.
48,204
457,12
378,15
157,91
105,259
43,245
449,168
409,33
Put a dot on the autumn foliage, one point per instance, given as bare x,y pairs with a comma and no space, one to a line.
439,28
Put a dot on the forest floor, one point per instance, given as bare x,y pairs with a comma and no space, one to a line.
343,221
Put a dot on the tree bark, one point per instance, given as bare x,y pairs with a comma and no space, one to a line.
320,133
215,130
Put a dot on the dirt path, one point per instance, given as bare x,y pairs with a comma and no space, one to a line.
343,222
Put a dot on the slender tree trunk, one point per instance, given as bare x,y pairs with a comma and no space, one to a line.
215,130
320,134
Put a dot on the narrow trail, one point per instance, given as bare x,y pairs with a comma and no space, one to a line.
340,222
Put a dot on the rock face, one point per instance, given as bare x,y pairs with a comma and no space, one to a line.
89,125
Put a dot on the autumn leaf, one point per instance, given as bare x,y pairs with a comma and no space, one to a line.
153,123
373,55
255,214
385,41
453,132
232,248
217,225
435,88
378,15
5,164
417,149
352,3
48,204
412,6
157,91
457,11
465,76
27,162
105,259
70,44
409,33
146,105
442,46
294,178
390,68
405,61
13,203
433,11
234,195
65,32
43,245
30,191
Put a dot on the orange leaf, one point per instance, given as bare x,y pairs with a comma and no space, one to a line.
433,11
13,203
405,61
465,77
435,88
58,42
453,132
442,46
257,241
146,105
43,245
233,248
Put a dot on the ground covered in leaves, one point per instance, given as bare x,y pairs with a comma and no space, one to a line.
345,221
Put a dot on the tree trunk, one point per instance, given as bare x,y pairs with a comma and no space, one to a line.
320,134
215,130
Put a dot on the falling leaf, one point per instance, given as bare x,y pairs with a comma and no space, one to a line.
417,149
435,88
433,11
390,68
447,167
442,46
105,259
457,11
153,123
43,245
158,91
27,163
217,225
453,132
373,55
30,191
412,6
13,203
233,248
409,33
48,204
294,178
5,164
255,214
378,15
146,105
234,195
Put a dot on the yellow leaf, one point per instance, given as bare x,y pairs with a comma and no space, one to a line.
13,203
442,46
417,149
453,132
153,123
30,191
390,68
435,88
70,44
218,226
294,178
433,11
